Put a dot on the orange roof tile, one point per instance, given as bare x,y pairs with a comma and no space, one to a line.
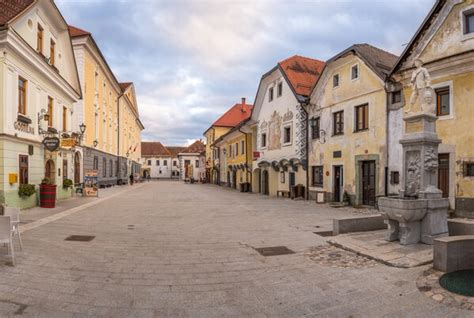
235,115
75,32
125,85
175,150
197,147
302,73
9,9
154,149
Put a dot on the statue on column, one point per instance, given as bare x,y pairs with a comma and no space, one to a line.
421,86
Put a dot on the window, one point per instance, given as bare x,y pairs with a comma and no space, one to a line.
116,168
96,163
197,164
279,89
149,162
395,177
282,177
338,123
335,80
355,72
104,167
111,163
270,94
23,165
22,84
157,162
469,169
263,142
317,176
316,128
52,52
64,118
242,147
39,40
362,117
64,169
287,134
50,111
442,101
175,163
396,97
230,151
165,162
236,149
469,21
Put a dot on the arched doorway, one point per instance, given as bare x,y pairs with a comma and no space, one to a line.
256,183
264,186
49,171
77,168
234,179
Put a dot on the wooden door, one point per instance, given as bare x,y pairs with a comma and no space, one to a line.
292,180
337,183
443,174
265,182
368,183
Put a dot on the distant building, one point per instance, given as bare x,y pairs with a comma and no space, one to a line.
192,162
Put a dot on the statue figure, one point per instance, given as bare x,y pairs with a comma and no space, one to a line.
421,86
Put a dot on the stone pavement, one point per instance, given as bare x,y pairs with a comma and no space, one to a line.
169,249
373,245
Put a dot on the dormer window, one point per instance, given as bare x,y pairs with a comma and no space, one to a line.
469,21
280,89
270,94
39,39
52,52
354,72
335,81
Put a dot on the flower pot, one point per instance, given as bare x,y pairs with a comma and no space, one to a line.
47,195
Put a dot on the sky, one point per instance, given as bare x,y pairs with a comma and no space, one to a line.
191,60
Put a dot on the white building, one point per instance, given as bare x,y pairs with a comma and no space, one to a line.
38,86
192,162
279,123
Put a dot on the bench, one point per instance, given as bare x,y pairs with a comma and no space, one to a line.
283,193
453,253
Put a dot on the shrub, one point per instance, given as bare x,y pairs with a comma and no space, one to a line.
26,190
46,181
67,183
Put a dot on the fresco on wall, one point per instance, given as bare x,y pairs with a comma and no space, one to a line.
275,132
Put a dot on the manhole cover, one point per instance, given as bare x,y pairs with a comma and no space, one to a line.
324,233
459,282
80,238
274,251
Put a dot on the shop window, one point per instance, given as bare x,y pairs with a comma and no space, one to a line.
22,85
96,163
317,172
270,94
395,177
355,72
279,89
442,101
338,123
335,81
111,168
64,169
23,165
362,117
104,167
116,168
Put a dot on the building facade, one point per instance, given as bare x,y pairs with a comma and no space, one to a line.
156,161
192,162
279,122
38,86
348,127
445,45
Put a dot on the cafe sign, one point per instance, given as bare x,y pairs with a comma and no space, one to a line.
51,143
68,142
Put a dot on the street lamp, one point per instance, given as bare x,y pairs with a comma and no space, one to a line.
95,143
82,128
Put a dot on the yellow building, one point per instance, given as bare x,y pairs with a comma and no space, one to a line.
348,127
230,119
445,44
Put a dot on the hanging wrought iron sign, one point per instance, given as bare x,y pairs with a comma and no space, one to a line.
51,143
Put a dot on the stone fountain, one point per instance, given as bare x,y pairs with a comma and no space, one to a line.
420,212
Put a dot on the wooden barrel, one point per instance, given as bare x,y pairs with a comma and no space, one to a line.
47,195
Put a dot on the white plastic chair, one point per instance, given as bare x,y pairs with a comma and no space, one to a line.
14,214
6,235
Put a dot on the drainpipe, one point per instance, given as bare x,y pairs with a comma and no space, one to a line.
303,105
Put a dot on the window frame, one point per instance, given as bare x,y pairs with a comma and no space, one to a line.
365,118
465,14
95,163
356,66
157,163
22,95
50,111
440,92
104,167
338,129
320,175
65,169
469,167
392,97
242,147
334,76
52,52
440,86
263,140
40,39
279,89
287,127
23,169
111,163
270,94
316,129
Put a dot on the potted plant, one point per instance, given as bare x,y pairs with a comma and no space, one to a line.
47,194
67,183
26,190
346,198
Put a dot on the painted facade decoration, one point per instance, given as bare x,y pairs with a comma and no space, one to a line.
279,126
348,132
39,86
444,47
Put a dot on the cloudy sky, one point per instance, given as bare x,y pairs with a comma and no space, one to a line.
191,60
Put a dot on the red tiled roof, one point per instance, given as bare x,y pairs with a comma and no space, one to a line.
154,149
302,73
9,9
197,147
234,116
74,32
175,150
125,85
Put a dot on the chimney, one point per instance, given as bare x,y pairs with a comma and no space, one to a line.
243,100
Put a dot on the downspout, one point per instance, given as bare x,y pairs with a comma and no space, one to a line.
303,105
